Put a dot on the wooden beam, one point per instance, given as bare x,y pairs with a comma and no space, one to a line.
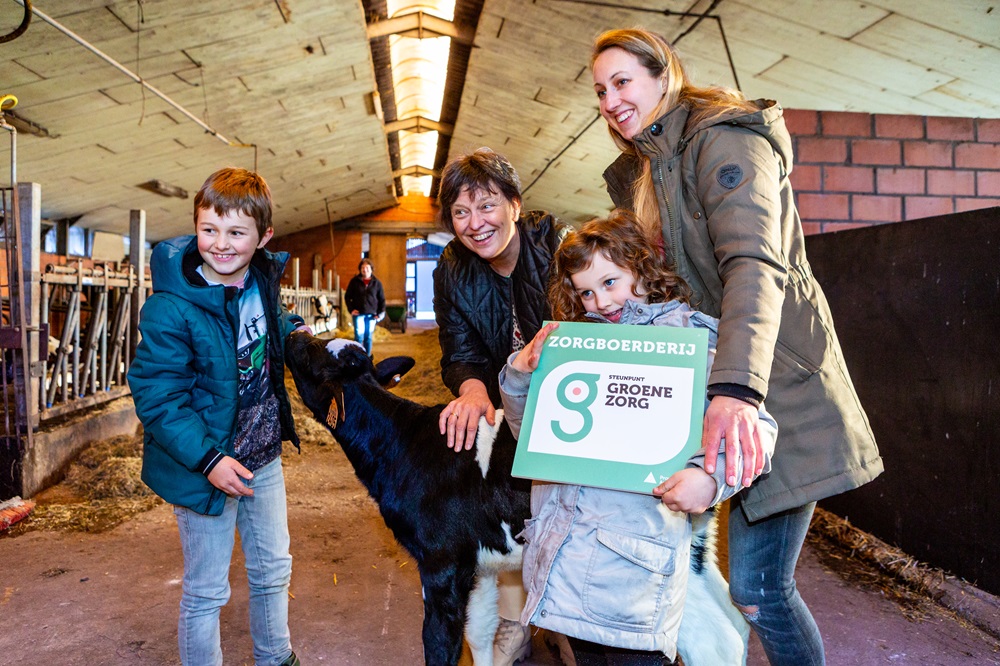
415,170
419,124
420,25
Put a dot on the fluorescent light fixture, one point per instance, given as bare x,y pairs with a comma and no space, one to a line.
165,189
419,69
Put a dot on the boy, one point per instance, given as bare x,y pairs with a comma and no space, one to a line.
208,386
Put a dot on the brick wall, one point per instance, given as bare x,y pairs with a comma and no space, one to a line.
305,244
860,169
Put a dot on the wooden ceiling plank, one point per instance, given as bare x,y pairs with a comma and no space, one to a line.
971,100
939,49
836,54
14,75
841,18
975,20
844,93
58,65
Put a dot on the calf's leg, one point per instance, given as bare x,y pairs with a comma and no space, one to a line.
482,619
713,632
446,595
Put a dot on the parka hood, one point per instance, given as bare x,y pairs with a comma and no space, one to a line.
768,121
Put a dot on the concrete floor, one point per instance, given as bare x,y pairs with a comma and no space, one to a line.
71,599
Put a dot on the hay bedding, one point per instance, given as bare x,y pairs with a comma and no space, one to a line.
101,490
866,561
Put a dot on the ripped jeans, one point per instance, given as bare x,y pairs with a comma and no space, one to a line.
762,559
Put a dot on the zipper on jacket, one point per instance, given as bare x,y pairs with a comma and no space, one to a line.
670,210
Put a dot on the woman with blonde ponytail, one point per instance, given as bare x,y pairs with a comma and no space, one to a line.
707,169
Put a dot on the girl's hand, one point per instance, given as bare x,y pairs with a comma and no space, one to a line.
691,490
460,418
737,421
527,359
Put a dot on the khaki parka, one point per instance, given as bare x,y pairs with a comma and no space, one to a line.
731,227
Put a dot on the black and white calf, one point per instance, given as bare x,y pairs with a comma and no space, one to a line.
453,512
457,513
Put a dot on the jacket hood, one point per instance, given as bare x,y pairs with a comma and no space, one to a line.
642,314
173,267
768,121
167,268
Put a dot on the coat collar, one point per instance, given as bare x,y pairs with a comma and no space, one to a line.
636,313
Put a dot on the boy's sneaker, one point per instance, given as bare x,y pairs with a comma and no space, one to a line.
511,644
291,661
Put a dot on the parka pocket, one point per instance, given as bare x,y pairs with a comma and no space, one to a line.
627,579
798,364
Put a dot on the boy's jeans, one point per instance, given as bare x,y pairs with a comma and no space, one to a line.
207,542
762,559
364,328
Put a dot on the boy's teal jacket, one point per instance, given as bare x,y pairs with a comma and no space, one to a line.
184,377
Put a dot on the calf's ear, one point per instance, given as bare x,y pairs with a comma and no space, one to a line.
390,371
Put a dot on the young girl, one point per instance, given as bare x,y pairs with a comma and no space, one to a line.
607,568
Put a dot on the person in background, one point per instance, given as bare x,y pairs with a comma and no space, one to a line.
489,297
366,302
707,171
208,384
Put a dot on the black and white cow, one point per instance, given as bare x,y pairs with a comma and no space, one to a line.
453,512
457,513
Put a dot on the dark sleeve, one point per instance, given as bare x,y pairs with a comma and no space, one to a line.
350,296
462,357
380,295
738,391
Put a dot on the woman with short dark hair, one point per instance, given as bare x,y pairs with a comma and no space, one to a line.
489,298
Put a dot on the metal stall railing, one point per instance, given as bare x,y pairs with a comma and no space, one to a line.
320,308
82,364
92,349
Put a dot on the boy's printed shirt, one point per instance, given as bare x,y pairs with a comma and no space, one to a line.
257,437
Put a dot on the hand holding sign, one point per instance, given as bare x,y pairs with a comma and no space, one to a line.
690,490
527,359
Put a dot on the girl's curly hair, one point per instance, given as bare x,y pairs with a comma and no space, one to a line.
621,239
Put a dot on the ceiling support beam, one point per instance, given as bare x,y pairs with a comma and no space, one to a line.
421,25
419,124
416,170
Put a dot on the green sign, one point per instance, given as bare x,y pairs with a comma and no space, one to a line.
614,406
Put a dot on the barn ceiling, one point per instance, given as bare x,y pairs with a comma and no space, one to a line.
287,85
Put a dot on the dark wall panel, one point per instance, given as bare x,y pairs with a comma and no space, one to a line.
917,310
